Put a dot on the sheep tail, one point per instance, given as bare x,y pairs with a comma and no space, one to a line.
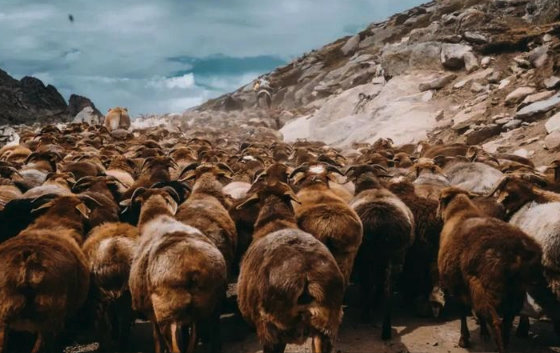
32,272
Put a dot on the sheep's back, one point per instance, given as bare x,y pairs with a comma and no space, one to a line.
284,274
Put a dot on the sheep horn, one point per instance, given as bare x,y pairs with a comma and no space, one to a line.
333,169
225,167
89,198
301,169
31,157
499,186
188,168
536,179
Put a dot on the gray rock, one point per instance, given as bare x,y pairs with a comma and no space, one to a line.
553,123
474,37
519,94
483,133
552,141
537,109
351,45
452,38
477,87
538,56
485,62
437,83
452,55
547,38
87,115
533,98
400,58
471,62
513,124
552,82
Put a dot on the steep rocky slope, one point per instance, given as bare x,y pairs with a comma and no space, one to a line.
475,71
29,101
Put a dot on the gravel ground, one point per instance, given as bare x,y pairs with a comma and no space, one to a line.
411,334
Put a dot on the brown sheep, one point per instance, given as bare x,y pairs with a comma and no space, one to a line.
388,226
420,280
327,216
206,208
153,170
290,287
45,277
109,250
117,118
486,263
178,276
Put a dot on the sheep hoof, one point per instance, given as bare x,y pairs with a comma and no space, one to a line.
386,334
464,342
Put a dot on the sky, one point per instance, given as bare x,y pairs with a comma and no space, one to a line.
164,56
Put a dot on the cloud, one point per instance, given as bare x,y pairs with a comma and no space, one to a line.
165,55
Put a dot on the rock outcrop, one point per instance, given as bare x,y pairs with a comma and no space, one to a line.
29,101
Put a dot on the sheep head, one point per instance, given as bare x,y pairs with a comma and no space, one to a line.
309,174
453,200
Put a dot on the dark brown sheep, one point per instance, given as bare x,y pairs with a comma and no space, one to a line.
327,216
178,276
45,277
290,287
486,263
206,207
388,226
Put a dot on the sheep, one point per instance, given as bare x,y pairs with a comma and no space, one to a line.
327,216
45,277
178,276
109,250
535,211
475,177
429,179
420,278
388,232
206,208
105,190
486,263
153,170
290,287
55,183
8,189
123,169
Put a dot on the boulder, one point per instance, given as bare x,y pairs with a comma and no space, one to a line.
537,109
351,45
552,82
475,37
471,62
552,141
519,94
88,115
437,83
533,98
483,133
77,103
452,55
538,56
512,124
397,59
553,123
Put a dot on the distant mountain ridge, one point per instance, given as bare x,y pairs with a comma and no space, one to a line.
29,101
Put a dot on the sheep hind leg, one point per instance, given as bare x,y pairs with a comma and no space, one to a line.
507,325
274,348
321,344
386,329
126,318
159,342
523,327
465,335
3,338
484,333
365,276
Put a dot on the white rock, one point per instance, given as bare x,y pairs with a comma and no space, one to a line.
351,45
553,123
87,115
538,56
547,38
552,82
453,55
471,62
504,83
486,61
552,141
538,108
519,94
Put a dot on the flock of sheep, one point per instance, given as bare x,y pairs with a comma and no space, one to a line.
101,228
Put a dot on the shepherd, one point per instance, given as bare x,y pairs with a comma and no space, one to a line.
264,93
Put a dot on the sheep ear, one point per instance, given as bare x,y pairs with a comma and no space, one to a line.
84,210
42,207
254,198
292,196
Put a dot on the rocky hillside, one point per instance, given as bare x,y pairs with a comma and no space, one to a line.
476,71
29,101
